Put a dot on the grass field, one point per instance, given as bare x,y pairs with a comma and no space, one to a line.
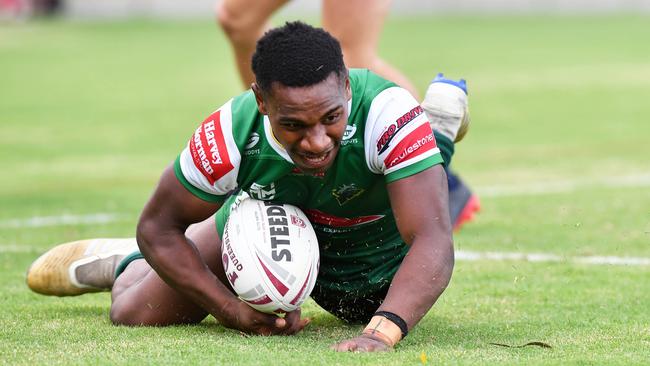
91,113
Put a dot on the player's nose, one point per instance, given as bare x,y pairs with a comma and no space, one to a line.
316,141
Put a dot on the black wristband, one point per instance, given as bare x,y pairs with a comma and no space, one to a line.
395,319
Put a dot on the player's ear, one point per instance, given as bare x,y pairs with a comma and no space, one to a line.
348,88
261,106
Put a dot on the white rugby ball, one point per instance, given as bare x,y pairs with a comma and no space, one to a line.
270,255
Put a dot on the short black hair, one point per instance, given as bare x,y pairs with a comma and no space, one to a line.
296,55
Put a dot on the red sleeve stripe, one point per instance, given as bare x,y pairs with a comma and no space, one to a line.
417,142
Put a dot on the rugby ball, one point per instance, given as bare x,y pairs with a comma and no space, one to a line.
270,255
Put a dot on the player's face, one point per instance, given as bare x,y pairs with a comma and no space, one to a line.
308,121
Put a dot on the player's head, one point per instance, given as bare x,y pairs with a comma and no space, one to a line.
296,55
302,86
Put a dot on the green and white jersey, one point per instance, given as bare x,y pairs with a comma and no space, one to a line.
387,138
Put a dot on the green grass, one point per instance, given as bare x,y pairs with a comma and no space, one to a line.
90,114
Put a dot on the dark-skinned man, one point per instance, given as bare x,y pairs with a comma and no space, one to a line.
356,152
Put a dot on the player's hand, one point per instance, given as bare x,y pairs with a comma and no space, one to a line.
242,317
294,323
362,343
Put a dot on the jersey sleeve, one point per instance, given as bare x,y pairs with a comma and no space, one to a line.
399,141
209,164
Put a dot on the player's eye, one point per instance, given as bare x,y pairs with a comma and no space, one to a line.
290,125
331,118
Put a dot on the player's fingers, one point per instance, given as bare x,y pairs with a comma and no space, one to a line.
280,323
345,346
295,324
291,319
267,324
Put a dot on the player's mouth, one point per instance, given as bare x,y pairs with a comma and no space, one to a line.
314,163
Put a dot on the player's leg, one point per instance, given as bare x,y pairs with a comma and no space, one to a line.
244,22
463,204
79,267
359,36
141,297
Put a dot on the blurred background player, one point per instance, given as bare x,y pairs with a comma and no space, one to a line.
245,21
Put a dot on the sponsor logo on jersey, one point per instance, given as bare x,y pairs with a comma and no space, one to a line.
384,140
349,132
262,192
323,218
346,192
416,143
252,141
251,152
209,151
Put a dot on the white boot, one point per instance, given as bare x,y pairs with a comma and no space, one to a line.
79,267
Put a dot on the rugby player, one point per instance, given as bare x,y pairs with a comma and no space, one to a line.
356,152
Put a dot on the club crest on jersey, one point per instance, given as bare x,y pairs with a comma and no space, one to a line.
384,141
262,192
346,192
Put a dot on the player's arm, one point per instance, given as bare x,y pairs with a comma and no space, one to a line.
420,206
161,238
419,203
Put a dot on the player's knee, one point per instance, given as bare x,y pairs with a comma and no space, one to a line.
238,27
129,314
119,316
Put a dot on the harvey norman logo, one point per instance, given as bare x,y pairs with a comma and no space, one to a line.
208,149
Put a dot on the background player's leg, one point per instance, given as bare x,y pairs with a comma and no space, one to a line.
244,22
359,36
141,297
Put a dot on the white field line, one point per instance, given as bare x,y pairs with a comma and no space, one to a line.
641,180
463,255
61,220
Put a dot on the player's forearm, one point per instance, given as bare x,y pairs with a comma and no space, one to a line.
179,264
422,277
